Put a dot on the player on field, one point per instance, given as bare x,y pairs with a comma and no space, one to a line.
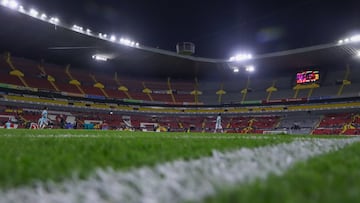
218,125
44,118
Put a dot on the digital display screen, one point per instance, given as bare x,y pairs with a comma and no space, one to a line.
307,77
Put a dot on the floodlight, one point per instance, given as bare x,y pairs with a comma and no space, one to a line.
5,2
250,68
34,13
355,38
88,31
77,28
340,41
99,57
236,70
128,42
358,54
54,20
241,57
346,40
113,38
21,9
13,4
43,16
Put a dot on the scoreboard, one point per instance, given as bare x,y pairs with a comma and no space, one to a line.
307,77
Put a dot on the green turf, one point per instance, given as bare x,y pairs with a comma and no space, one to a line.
334,177
28,155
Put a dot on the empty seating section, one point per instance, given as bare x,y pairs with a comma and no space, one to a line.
90,90
258,89
159,89
111,87
87,83
345,123
5,76
298,124
183,91
61,78
135,89
162,97
233,90
139,96
113,92
354,88
284,87
32,74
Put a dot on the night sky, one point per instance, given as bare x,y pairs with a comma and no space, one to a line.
218,28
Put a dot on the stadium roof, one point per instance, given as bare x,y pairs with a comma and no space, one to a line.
29,37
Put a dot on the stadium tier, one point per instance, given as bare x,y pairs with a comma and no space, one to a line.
81,82
83,99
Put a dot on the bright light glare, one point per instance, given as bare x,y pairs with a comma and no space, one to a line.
250,69
241,57
21,9
99,57
341,42
77,28
54,20
128,42
113,38
355,38
43,16
358,54
13,4
33,12
102,36
5,2
236,70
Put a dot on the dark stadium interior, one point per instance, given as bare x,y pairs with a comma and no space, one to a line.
42,63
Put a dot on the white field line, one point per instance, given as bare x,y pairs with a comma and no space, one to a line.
178,181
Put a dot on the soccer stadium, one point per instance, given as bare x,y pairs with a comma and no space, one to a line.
93,116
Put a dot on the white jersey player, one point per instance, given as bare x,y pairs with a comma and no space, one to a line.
218,125
43,121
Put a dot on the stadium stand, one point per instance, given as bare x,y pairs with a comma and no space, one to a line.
33,83
298,124
82,82
342,123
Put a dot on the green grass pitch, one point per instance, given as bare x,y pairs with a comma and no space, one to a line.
28,156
